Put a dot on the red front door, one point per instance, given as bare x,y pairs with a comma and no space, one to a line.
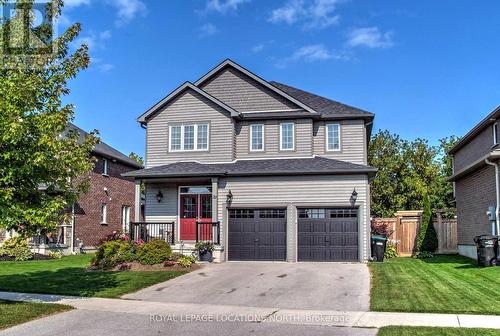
193,208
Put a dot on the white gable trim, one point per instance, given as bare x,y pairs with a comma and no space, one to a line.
179,90
238,67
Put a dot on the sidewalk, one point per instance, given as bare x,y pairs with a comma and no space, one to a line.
187,312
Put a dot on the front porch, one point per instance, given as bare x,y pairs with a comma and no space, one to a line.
180,211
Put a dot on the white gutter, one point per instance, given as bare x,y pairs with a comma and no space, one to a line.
497,213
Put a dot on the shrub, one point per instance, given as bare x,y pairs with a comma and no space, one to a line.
18,248
380,229
427,237
204,247
175,256
186,261
55,254
154,252
424,255
114,252
116,235
390,251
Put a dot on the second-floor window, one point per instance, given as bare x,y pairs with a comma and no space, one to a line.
257,137
333,137
191,137
287,136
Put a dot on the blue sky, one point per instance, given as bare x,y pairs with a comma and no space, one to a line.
426,68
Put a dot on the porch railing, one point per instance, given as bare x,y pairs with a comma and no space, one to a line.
208,231
147,231
54,238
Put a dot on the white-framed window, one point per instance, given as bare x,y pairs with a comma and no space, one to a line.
104,213
126,218
332,137
287,136
189,137
256,137
104,166
495,134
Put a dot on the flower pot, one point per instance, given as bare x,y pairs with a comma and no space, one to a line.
206,256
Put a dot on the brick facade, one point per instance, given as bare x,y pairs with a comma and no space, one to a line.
474,194
114,191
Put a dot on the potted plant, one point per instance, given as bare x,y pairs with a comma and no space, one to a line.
205,249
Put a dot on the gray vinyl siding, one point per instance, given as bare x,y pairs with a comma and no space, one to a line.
303,139
352,141
290,191
167,209
244,94
190,107
476,148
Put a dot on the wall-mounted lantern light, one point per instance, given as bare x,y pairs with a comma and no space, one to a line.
229,197
354,197
159,196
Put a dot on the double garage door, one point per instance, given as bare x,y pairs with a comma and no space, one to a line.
324,234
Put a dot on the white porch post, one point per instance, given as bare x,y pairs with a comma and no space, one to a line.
137,204
215,196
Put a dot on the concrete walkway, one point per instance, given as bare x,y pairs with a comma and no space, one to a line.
189,312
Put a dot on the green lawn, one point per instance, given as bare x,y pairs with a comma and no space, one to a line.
12,313
69,276
443,284
427,331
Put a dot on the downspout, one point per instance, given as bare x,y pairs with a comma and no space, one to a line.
497,213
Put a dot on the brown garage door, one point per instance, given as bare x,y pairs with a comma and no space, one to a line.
257,234
326,234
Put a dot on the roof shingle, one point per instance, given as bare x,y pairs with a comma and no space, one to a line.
306,166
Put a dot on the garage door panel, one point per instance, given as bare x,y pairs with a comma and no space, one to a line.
328,234
261,237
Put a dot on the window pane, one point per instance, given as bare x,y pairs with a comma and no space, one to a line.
287,136
175,137
333,137
189,137
257,137
202,137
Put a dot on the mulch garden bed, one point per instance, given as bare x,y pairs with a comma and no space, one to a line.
135,266
36,256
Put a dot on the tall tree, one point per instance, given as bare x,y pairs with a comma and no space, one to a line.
42,169
411,174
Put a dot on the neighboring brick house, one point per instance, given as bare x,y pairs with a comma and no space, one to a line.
265,170
107,206
476,182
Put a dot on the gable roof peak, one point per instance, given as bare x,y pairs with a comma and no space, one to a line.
185,86
241,69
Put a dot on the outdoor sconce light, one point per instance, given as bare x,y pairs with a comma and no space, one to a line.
229,197
159,196
354,196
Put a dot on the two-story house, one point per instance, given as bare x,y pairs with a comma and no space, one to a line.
281,173
476,182
106,207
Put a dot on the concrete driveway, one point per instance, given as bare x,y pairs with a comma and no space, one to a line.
310,286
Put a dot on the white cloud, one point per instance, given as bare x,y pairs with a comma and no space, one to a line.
258,48
223,6
316,14
127,10
312,53
369,37
208,29
94,41
309,54
75,3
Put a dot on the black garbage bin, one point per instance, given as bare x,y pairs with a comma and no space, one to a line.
378,247
486,250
